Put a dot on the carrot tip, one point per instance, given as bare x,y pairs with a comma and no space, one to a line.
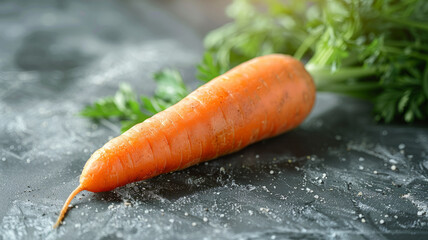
65,207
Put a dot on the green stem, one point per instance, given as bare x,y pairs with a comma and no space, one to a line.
321,58
307,43
325,76
363,90
400,51
406,44
403,21
350,87
399,6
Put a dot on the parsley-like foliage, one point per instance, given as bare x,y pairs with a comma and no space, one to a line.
130,110
371,49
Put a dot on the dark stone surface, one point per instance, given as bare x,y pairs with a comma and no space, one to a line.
339,175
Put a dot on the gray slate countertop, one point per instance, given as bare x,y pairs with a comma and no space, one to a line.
339,175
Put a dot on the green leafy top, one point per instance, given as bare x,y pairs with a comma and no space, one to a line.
126,107
371,49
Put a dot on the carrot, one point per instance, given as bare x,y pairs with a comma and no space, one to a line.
261,98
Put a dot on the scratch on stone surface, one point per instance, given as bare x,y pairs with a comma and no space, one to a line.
420,205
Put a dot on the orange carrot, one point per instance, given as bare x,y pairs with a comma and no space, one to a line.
256,100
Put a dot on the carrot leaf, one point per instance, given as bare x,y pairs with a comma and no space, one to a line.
102,108
170,87
368,49
375,50
130,110
209,68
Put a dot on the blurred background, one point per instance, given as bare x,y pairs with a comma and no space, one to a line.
201,15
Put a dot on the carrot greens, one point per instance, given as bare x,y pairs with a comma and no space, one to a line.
370,49
130,110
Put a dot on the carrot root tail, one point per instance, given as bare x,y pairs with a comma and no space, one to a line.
65,207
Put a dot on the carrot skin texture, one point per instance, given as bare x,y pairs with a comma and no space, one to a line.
258,99
261,98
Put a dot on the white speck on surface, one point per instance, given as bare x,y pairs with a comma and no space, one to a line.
186,214
271,172
265,188
193,224
257,156
401,146
265,210
250,212
375,172
361,167
316,196
205,219
363,220
393,161
393,167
